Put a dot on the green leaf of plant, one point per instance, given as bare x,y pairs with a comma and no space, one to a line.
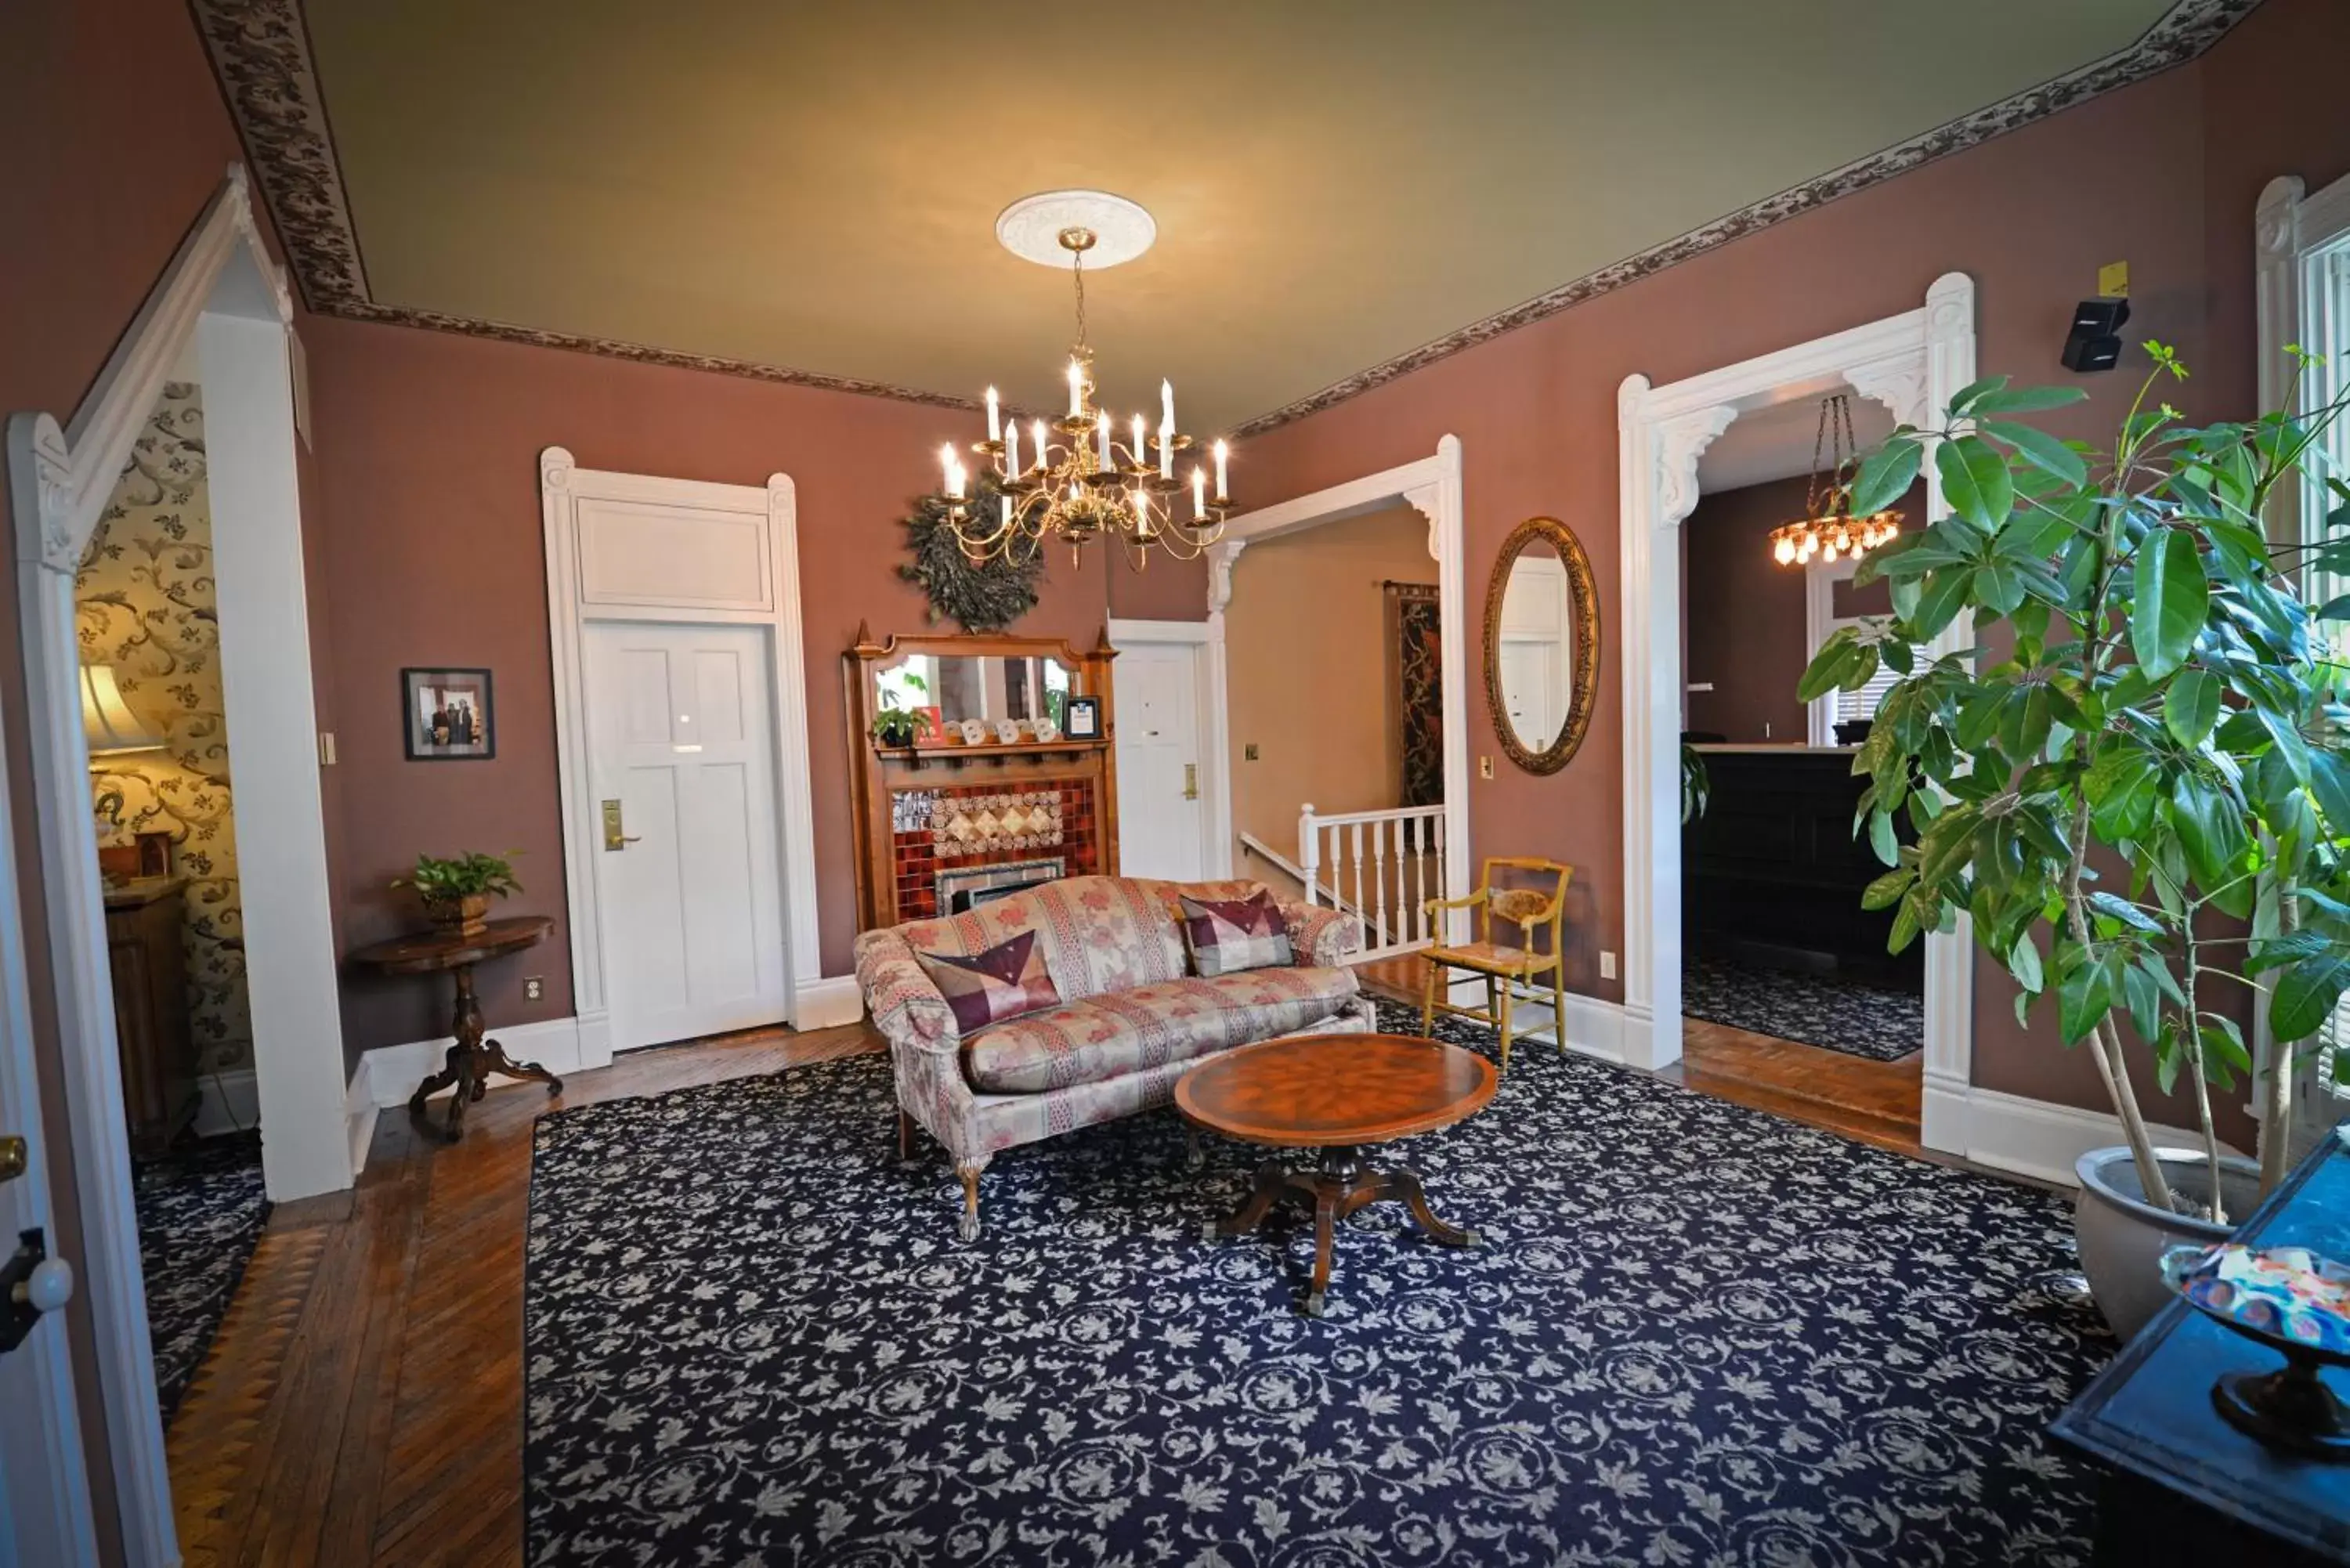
2305,995
1880,837
2144,1000
2173,598
1881,893
1963,401
1885,475
2023,399
2124,911
2023,963
2191,706
2083,997
2123,786
1975,480
2041,449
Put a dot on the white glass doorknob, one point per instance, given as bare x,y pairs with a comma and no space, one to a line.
49,1286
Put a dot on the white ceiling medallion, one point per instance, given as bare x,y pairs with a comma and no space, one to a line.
1031,228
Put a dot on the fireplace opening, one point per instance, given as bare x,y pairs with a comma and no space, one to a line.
967,888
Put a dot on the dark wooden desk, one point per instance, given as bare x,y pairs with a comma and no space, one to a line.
2186,1486
471,1059
146,955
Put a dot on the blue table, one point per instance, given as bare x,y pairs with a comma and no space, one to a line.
2185,1485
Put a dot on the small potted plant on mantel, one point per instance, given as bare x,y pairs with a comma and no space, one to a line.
2143,804
456,893
896,725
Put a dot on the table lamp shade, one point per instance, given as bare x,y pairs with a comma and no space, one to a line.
106,719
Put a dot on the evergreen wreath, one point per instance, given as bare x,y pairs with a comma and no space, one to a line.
985,595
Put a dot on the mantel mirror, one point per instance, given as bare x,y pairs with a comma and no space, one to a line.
987,687
1541,645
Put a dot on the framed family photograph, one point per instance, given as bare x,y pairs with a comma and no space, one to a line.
448,716
1084,719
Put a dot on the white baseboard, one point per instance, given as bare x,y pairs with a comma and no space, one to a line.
2037,1139
1594,1027
823,1003
231,1102
359,1117
393,1072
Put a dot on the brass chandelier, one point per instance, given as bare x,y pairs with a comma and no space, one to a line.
1827,528
1088,482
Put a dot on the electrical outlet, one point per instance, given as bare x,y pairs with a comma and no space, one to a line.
534,988
1484,767
325,748
1606,965
1248,752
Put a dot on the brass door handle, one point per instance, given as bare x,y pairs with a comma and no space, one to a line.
1190,781
13,1158
613,837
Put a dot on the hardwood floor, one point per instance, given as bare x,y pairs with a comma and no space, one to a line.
1876,1102
363,1401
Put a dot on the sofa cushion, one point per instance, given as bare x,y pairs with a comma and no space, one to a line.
1097,934
1105,1038
1229,935
984,988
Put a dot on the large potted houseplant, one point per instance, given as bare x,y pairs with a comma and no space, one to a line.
2136,781
456,893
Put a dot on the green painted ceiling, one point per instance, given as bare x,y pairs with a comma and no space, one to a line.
815,186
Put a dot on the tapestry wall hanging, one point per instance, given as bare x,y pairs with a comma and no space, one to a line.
982,596
1419,691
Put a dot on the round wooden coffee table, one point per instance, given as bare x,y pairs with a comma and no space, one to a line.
1336,1093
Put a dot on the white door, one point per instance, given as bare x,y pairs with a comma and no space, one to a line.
44,1507
680,730
1161,828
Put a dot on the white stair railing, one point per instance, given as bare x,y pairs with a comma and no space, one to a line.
1383,865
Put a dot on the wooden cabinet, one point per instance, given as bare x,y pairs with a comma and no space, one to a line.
145,949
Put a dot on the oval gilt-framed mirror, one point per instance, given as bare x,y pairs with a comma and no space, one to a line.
1541,644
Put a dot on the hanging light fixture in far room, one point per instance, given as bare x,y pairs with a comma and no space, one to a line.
107,719
1827,527
1087,482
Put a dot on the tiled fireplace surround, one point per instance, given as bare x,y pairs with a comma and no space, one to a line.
957,829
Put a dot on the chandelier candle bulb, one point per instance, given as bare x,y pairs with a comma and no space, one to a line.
1076,388
1101,438
1166,449
994,417
1166,408
1137,454
1011,450
1223,490
952,472
1199,493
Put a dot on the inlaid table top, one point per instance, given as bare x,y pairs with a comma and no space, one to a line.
422,952
1336,1090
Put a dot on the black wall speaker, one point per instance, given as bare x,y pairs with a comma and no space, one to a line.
2095,343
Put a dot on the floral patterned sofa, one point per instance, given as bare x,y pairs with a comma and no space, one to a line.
1130,1015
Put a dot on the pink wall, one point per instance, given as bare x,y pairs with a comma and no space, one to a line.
429,476
2142,175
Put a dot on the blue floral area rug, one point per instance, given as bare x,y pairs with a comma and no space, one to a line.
1872,1021
1690,1333
201,1210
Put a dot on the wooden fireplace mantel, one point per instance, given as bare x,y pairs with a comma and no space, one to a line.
1080,774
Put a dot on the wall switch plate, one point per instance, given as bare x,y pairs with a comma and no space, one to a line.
534,988
1606,965
1248,752
325,748
1484,767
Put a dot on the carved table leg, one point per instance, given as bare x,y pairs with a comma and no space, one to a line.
1405,1184
451,1068
495,1060
1272,1180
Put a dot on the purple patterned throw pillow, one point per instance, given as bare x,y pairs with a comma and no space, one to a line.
1005,981
1227,936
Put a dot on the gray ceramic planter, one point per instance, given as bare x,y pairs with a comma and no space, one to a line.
2122,1238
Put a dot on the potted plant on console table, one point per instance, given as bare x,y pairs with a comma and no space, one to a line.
456,893
2143,799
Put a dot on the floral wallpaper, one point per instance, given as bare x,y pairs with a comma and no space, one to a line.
145,600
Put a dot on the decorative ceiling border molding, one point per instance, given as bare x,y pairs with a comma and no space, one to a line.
2181,34
260,52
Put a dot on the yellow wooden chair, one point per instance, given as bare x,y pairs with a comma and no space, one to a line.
1528,907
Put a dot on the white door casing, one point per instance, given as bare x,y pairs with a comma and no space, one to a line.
1912,363
680,730
224,298
1161,764
1430,486
639,547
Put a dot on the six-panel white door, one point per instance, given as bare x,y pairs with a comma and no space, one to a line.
680,727
1161,830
